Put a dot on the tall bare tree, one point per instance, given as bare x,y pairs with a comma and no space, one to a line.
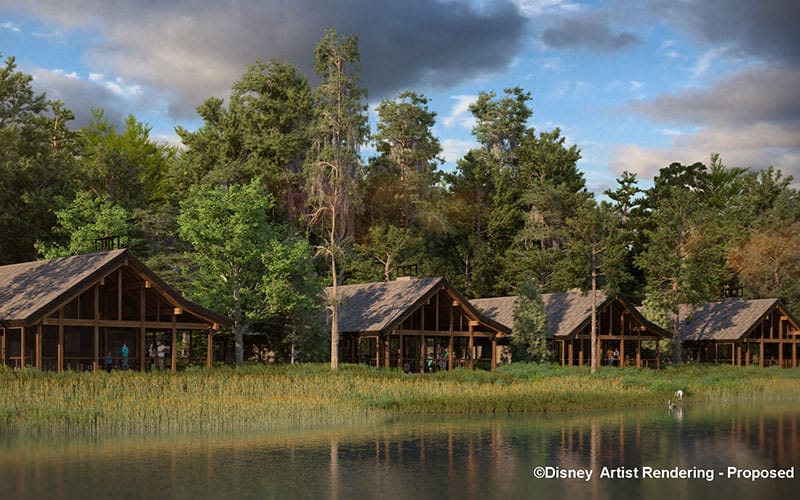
334,165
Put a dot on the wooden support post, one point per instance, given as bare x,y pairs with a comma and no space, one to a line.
622,324
422,349
2,346
210,348
471,346
142,330
563,351
60,352
494,352
174,342
570,353
400,353
423,346
761,352
96,329
22,347
387,351
794,351
450,344
119,296
38,348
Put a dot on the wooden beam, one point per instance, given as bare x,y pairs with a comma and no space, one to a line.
38,347
22,347
119,295
174,341
60,353
210,348
142,329
494,354
96,328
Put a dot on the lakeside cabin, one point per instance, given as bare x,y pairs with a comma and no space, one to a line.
417,324
624,336
741,332
68,313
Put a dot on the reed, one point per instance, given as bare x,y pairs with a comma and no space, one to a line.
304,396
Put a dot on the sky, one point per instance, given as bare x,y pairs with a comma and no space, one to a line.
634,85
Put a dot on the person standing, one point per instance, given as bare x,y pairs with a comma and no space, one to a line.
161,352
151,351
109,362
124,353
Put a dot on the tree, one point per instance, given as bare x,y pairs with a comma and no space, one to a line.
244,263
37,164
674,259
593,260
128,167
408,154
334,168
86,219
530,325
264,133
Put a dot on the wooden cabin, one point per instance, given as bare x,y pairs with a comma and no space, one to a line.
624,336
68,313
416,324
741,332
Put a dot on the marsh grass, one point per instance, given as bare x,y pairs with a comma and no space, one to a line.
311,396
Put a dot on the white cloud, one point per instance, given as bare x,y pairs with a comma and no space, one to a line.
459,114
8,25
96,77
455,149
122,89
705,61
755,146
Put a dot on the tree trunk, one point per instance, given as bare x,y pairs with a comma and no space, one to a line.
594,322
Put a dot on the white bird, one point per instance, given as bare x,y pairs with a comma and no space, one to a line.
679,395
670,405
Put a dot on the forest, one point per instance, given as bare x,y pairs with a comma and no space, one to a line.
271,199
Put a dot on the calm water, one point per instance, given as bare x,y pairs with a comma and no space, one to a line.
434,458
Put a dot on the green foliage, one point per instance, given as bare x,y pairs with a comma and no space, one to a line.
264,133
245,264
530,325
86,219
127,167
37,164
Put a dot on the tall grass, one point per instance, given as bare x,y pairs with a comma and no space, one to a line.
303,396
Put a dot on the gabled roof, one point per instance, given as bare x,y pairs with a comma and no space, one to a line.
381,307
732,319
30,290
567,312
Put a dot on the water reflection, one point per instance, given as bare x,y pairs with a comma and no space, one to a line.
427,458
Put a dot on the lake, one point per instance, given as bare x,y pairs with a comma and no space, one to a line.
695,451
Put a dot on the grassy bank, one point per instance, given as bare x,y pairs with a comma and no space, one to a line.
301,396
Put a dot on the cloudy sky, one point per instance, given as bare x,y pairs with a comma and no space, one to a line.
635,85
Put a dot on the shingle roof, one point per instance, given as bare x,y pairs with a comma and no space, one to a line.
30,289
565,311
731,319
381,307
27,287
376,307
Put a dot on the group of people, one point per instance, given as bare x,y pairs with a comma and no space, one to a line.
157,353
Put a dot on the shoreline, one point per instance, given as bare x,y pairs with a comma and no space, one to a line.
253,397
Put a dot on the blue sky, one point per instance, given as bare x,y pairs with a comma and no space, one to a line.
635,85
